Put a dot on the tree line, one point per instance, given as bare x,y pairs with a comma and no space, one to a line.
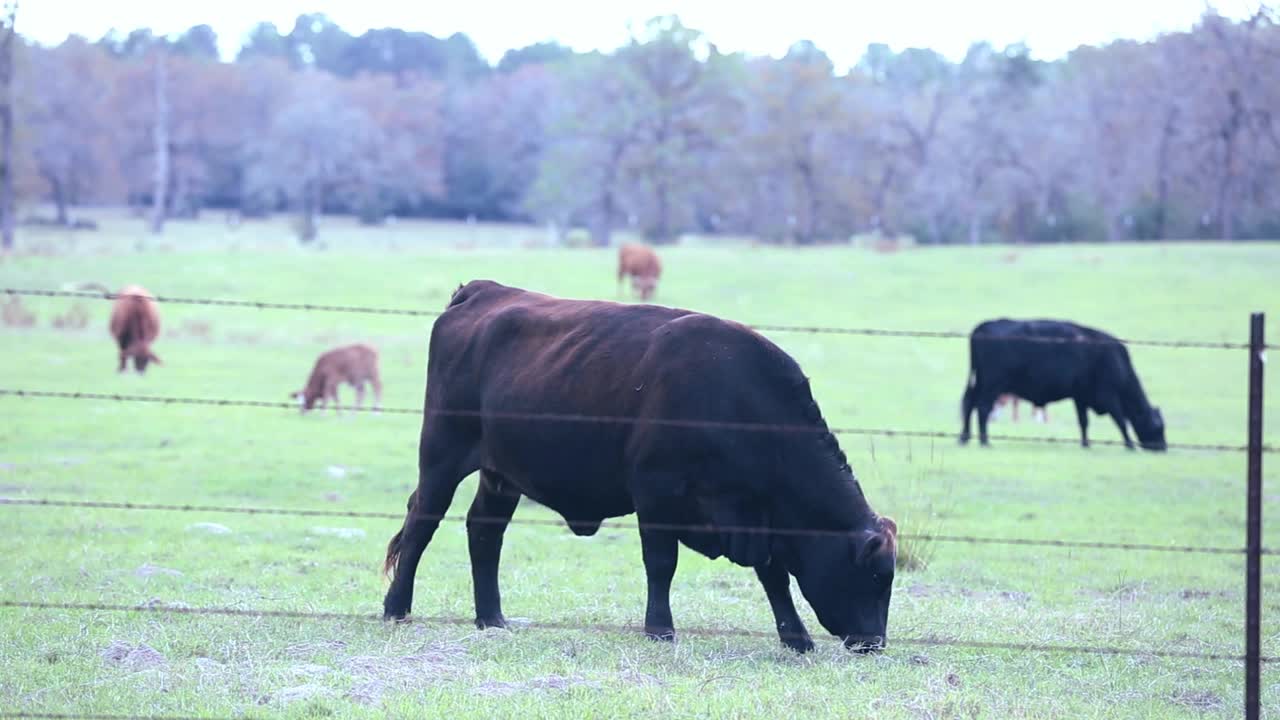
1172,138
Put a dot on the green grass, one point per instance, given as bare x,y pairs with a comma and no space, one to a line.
219,666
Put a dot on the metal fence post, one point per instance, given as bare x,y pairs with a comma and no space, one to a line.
1253,544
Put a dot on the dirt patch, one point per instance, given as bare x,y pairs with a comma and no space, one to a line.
639,679
1194,594
306,651
133,657
75,318
149,570
211,528
14,314
340,532
1196,700
924,590
295,694
549,682
374,676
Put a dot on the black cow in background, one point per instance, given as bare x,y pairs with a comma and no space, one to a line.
1048,360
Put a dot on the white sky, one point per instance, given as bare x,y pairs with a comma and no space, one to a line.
842,29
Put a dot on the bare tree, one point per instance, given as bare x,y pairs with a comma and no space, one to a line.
8,39
160,140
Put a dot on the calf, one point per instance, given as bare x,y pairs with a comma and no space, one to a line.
703,428
644,267
351,364
1012,401
135,324
1045,361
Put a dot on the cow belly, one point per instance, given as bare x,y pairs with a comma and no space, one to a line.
583,494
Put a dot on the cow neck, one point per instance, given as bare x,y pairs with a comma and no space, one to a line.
827,488
1134,397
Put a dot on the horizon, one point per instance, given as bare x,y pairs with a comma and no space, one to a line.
1050,31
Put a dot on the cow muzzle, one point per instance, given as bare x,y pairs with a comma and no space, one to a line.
864,644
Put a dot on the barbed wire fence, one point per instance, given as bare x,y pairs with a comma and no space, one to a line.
1254,449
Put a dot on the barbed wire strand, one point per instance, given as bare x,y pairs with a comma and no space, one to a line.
618,525
604,419
760,327
607,628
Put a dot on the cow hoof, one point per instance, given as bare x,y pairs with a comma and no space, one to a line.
964,439
394,611
493,622
660,635
801,645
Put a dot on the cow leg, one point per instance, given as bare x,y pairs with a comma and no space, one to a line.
486,523
777,587
660,550
966,407
124,362
437,482
1082,414
360,396
1116,411
985,403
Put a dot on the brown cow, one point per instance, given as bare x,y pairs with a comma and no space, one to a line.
643,265
352,364
1007,399
135,324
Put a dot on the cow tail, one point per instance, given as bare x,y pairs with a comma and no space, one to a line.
393,547
393,554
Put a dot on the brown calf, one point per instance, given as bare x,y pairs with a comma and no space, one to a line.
135,324
352,364
1013,400
643,265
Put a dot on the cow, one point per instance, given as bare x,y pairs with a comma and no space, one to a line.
644,267
1037,411
352,364
1045,361
649,410
135,324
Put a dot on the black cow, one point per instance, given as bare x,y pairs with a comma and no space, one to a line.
1048,360
500,353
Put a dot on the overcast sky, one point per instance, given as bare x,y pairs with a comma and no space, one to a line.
842,29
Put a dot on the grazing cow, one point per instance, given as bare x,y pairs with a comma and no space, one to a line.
351,364
1045,361
677,388
644,267
135,324
1037,411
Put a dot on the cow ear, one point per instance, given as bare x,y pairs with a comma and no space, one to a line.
154,358
884,539
888,526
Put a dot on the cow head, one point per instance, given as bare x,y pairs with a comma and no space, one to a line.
847,580
142,356
1150,430
305,401
645,285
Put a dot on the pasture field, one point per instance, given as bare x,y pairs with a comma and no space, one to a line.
76,661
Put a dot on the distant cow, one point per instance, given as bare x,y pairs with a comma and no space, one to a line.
675,388
1045,361
352,364
1012,401
644,267
135,324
